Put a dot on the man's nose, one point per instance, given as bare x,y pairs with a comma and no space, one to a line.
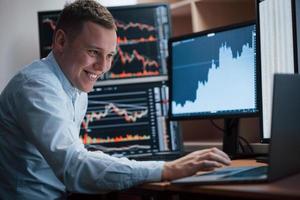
102,65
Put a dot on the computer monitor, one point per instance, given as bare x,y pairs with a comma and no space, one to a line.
279,43
131,120
127,109
47,23
143,31
213,74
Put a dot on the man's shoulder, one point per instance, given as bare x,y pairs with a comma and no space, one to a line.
38,71
33,76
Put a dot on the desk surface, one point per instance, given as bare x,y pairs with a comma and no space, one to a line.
288,188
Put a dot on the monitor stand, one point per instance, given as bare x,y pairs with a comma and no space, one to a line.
230,136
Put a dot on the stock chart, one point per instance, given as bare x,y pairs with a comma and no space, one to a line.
226,58
142,35
127,120
142,42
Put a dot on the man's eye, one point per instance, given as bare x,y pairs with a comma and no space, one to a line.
93,52
110,55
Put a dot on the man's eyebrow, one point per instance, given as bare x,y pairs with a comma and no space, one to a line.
101,49
94,47
114,52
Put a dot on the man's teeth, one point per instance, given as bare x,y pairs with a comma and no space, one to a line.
92,76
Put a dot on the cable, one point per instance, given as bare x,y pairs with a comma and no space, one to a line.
241,146
241,139
247,144
217,126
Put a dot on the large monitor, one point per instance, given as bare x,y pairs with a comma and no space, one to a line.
143,32
128,109
213,74
131,120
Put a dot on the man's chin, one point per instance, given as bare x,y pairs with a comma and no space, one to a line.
86,89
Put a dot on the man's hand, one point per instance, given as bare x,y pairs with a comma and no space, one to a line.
188,165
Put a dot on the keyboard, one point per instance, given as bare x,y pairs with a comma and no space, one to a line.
254,172
238,172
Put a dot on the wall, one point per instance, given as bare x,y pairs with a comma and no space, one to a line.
19,32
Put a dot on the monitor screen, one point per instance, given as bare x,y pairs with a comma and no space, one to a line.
143,32
130,120
214,73
47,23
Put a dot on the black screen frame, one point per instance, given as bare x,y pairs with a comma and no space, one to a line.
40,29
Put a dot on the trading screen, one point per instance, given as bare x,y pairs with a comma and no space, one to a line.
142,32
142,42
126,120
221,79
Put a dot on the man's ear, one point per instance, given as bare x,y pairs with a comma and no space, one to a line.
59,40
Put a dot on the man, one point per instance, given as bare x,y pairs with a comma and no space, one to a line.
41,110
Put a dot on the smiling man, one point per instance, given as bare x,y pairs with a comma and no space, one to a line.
42,107
85,58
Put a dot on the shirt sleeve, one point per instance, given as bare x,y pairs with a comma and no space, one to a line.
47,125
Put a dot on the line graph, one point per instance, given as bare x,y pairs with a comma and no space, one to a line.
142,43
119,107
126,115
50,22
126,41
132,148
133,63
125,26
128,58
129,116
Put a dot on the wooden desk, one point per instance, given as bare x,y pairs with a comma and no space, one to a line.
285,189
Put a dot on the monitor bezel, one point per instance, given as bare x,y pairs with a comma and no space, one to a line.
40,15
261,129
216,115
144,5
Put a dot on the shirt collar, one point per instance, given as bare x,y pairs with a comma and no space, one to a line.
66,84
